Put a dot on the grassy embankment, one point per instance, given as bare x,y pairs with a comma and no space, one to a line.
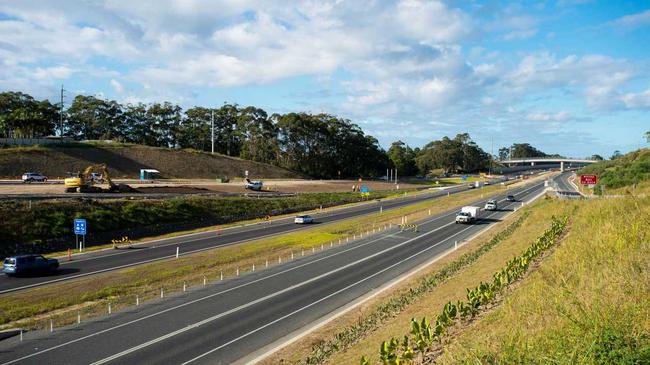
125,161
622,175
33,307
30,227
587,301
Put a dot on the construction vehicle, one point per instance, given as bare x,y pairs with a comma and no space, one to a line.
84,182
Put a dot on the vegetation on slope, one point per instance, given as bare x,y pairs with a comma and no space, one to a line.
125,161
46,226
587,303
624,171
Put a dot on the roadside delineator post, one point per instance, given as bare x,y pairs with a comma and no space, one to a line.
184,286
21,335
109,308
237,271
292,255
78,317
51,325
267,263
322,247
455,245
177,251
137,300
205,280
279,259
253,267
162,293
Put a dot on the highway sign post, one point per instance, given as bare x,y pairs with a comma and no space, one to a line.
588,179
80,228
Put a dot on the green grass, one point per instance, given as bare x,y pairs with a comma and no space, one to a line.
588,303
626,171
33,228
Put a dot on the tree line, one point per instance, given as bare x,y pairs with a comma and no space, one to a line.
318,145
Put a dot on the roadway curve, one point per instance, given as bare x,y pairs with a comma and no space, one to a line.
237,319
106,260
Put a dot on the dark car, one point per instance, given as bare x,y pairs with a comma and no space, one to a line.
511,198
29,264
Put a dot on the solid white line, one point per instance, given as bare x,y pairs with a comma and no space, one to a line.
287,289
343,289
215,294
323,298
293,337
221,315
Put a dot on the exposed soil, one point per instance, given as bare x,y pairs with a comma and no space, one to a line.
209,186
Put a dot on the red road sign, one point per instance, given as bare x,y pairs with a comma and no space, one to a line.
588,179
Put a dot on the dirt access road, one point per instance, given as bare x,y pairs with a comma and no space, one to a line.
209,186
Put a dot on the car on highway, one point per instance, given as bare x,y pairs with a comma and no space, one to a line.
303,219
491,205
33,176
511,198
28,264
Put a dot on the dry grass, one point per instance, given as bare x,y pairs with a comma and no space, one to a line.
589,302
452,290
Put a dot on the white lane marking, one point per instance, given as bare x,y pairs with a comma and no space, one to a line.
258,227
170,256
396,205
216,294
233,310
231,289
273,347
323,298
264,298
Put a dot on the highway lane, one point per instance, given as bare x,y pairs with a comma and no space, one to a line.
106,260
224,322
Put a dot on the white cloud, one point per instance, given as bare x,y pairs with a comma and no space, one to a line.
632,21
638,100
549,117
117,86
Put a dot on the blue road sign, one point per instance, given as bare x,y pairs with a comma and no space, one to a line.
80,226
464,177
364,189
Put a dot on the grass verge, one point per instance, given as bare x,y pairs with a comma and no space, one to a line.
588,303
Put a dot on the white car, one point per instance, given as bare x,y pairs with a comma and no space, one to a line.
491,205
303,219
33,176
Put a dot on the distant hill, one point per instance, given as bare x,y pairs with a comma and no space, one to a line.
126,160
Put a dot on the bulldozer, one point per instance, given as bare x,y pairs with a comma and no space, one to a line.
84,182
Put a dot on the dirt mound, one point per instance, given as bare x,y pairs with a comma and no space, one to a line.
125,161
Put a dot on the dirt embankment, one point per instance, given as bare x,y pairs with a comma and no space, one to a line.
126,162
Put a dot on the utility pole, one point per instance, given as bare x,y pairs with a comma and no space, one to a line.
61,114
212,129
491,155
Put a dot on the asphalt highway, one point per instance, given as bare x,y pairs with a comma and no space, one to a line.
238,319
106,260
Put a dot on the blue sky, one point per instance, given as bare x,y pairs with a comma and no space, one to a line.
569,77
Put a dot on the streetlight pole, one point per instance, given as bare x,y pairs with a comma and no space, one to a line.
212,129
61,114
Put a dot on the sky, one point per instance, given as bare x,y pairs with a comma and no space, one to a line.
568,77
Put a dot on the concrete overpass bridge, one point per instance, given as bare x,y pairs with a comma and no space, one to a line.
544,162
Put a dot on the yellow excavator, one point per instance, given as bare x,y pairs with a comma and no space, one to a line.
84,181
